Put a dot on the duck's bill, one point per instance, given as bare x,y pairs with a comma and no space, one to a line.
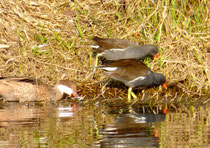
75,95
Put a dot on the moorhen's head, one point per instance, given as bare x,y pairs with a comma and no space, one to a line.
159,79
153,51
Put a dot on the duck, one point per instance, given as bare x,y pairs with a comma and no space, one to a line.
133,73
117,49
25,89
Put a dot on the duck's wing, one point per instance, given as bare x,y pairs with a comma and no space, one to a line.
16,79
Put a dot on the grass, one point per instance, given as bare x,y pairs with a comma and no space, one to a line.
49,41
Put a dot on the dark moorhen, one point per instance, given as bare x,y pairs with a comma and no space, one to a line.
133,73
116,49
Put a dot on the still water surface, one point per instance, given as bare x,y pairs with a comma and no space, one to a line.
76,125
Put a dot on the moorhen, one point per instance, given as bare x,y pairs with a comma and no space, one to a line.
116,49
133,73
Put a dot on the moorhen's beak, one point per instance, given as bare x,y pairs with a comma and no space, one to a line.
165,109
155,56
164,85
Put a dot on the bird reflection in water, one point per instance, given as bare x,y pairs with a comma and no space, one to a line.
132,130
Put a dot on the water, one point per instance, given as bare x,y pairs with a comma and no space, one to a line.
73,125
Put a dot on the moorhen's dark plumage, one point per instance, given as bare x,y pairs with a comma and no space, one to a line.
116,49
24,89
133,73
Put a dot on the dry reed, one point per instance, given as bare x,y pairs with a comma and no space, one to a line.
49,40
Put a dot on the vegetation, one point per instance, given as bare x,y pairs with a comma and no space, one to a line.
49,40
